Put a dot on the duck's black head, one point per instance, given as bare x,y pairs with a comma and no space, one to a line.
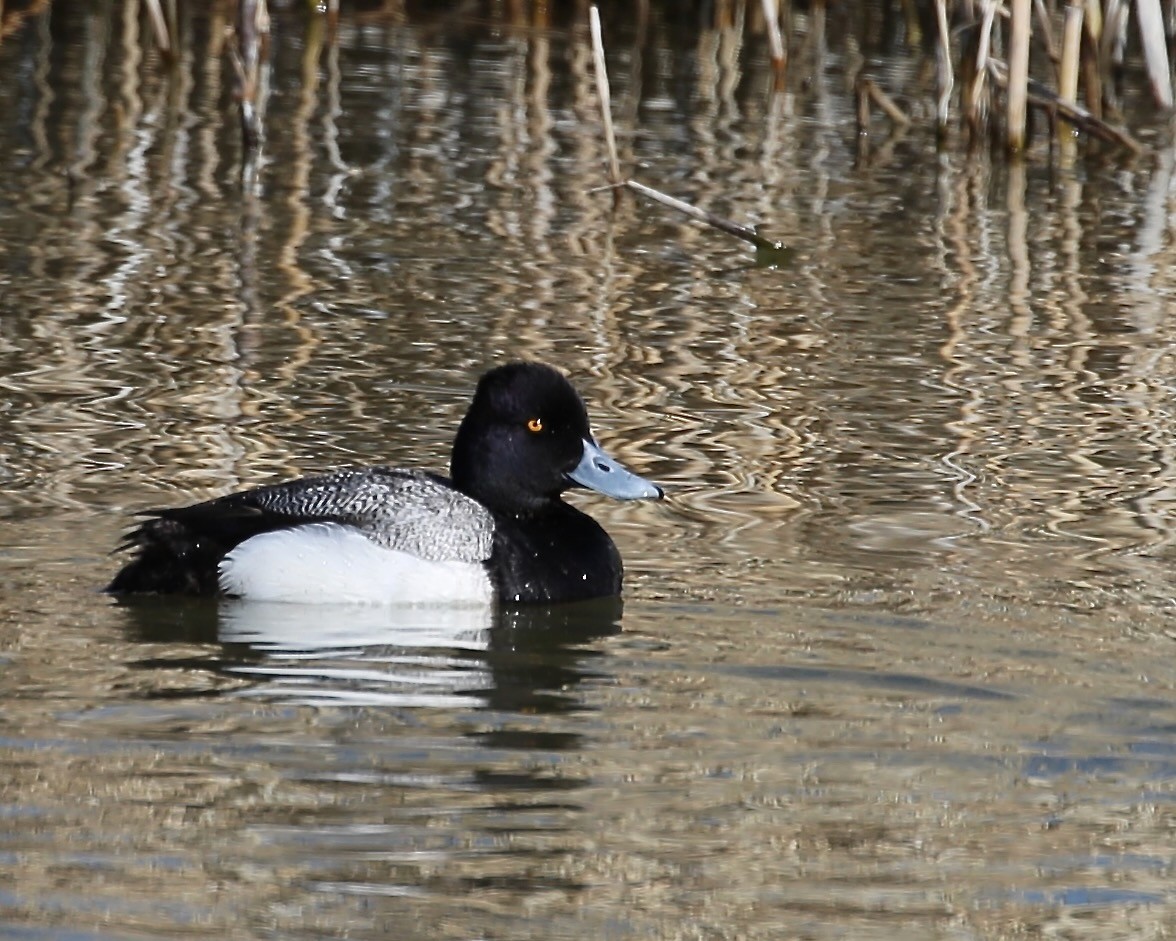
526,439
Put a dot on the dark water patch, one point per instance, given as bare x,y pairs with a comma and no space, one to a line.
904,682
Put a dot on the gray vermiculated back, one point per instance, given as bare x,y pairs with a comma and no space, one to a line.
398,509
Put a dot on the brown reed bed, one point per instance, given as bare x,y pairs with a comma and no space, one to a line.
993,73
990,45
998,66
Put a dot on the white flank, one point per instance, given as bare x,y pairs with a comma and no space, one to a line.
325,563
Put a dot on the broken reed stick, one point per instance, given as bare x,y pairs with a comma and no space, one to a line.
159,24
868,92
602,91
870,89
747,233
1042,97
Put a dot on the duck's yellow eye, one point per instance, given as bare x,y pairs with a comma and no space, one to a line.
535,425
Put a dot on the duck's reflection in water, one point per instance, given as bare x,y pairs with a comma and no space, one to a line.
527,657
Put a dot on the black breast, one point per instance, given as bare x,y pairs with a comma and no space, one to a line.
559,554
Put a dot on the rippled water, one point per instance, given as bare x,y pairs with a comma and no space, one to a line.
895,656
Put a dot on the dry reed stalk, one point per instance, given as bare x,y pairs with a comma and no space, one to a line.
863,116
1155,49
602,91
1017,93
1113,35
776,42
976,97
1068,79
1071,52
1113,49
1092,34
1046,34
913,25
944,78
253,24
1094,19
159,24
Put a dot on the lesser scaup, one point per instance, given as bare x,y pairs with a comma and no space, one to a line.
495,530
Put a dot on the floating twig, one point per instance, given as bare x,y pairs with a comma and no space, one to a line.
747,233
768,253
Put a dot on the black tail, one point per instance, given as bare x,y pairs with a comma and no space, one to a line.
170,559
178,551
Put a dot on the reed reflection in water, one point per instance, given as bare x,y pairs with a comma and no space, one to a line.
896,653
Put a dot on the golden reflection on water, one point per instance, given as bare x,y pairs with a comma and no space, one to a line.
896,652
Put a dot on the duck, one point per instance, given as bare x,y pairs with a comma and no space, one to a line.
496,530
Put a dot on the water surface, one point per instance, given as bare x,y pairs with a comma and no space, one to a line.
895,656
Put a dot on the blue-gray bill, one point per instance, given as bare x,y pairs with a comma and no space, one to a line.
597,471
